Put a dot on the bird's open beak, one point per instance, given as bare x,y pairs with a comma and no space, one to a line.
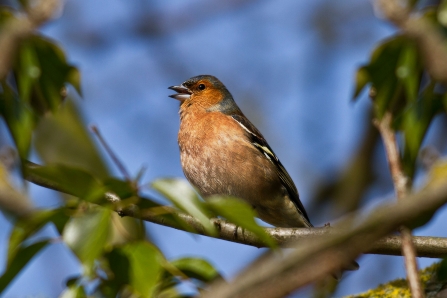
183,93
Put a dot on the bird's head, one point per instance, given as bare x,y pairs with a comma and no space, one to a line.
204,92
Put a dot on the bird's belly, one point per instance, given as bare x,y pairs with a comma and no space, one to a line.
227,172
254,180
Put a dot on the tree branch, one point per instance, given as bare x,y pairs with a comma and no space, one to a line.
401,186
430,247
276,275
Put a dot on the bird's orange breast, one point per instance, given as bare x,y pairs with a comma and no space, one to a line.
217,161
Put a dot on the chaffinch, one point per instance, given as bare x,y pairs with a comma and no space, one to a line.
222,152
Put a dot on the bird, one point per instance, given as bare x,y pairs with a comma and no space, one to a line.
223,153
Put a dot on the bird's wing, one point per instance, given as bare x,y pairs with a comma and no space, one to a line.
261,144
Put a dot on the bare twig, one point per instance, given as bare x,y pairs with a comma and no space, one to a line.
401,186
21,26
431,247
112,155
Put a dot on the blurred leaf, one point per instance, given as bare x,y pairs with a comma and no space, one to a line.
25,227
409,70
394,70
438,174
21,259
74,291
199,269
145,267
125,229
172,292
381,70
87,236
74,78
436,177
13,202
442,13
442,270
362,78
5,15
24,3
414,123
241,214
28,72
19,118
70,180
62,138
185,198
119,265
42,72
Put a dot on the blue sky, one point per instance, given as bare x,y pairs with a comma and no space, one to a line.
290,65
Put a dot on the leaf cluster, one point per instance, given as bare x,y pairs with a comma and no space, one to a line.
37,103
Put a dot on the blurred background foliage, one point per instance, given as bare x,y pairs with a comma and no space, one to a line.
122,57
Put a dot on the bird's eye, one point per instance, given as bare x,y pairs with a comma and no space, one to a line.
201,87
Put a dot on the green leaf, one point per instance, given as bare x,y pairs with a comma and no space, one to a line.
126,229
414,123
382,72
28,71
63,138
25,227
87,236
21,259
119,276
394,71
42,72
145,267
361,80
409,70
199,269
241,214
19,118
185,198
74,78
70,180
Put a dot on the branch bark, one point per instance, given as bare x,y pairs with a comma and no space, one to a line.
277,275
401,186
430,247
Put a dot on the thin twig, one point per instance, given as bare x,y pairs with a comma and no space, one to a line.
401,186
109,151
